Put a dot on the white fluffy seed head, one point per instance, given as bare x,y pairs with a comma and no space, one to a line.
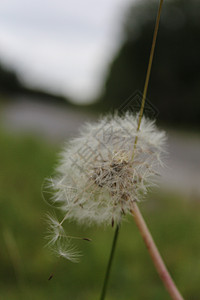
102,171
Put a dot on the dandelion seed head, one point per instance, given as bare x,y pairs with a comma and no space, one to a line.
103,171
99,175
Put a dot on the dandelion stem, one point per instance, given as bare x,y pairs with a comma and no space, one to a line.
155,255
108,269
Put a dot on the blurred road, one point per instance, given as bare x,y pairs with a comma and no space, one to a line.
48,121
56,124
183,161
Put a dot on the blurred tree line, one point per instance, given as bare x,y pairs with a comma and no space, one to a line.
174,87
11,87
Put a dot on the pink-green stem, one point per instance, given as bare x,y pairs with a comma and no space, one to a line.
154,253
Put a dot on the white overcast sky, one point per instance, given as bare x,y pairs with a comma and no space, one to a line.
62,45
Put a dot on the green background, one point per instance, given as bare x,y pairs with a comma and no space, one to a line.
26,263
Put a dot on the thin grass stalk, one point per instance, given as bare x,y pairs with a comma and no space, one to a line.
108,269
146,84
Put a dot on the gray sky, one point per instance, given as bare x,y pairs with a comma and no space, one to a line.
62,45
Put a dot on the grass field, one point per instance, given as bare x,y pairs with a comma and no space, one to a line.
26,264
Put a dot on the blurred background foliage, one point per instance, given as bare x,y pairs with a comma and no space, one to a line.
175,80
12,88
26,161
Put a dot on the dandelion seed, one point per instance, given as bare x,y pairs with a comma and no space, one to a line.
87,239
50,277
67,251
55,229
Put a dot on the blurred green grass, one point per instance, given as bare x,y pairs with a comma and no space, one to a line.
26,264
